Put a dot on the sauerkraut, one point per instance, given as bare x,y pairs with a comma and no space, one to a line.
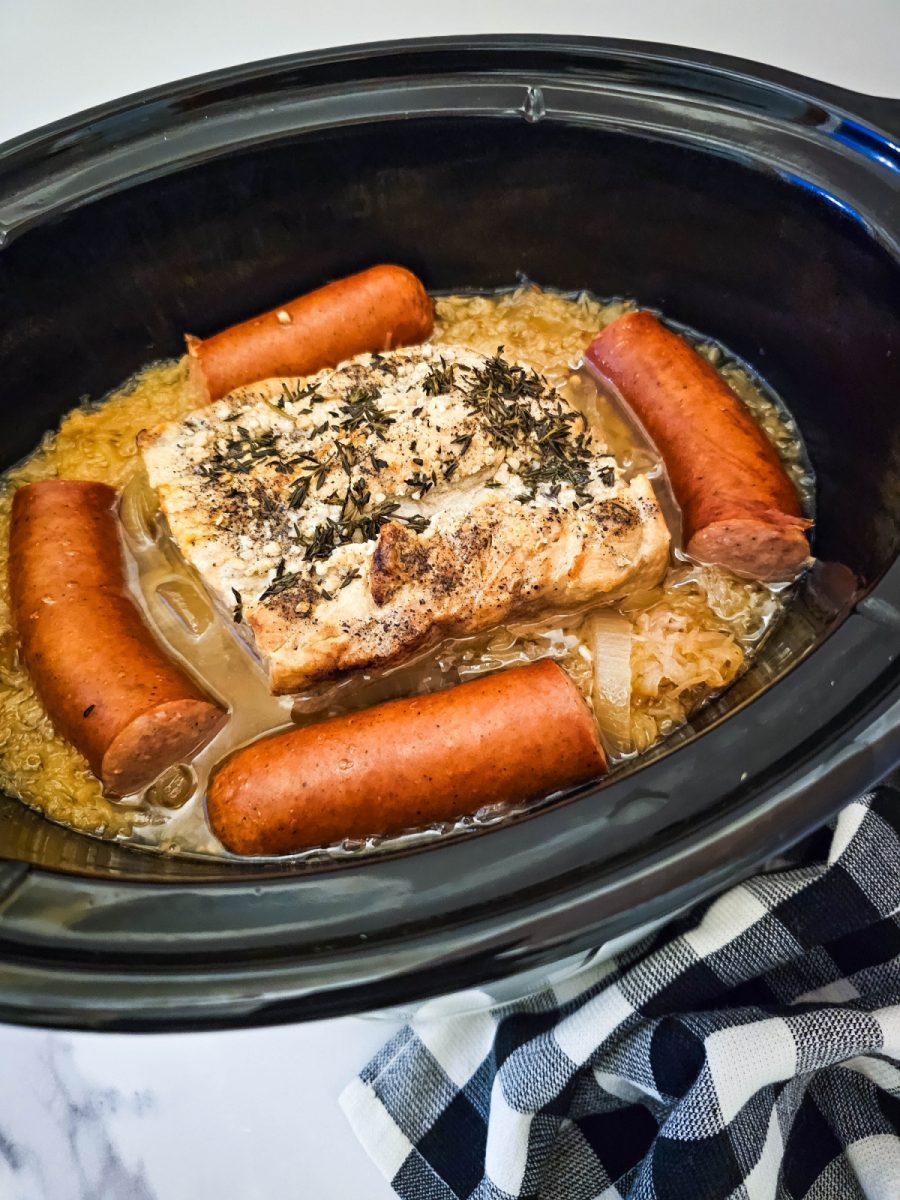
690,637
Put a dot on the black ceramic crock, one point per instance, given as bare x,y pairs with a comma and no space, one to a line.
754,205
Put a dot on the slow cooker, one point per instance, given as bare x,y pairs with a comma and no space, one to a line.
757,206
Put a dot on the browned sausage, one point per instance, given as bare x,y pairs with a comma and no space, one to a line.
104,682
510,736
740,510
377,309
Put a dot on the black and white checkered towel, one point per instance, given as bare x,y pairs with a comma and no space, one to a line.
750,1051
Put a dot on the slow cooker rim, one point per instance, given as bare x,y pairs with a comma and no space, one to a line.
58,137
885,109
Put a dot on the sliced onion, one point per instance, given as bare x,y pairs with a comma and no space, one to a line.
610,635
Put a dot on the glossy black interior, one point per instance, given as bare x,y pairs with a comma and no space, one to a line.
752,212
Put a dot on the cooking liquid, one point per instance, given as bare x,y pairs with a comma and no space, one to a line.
540,329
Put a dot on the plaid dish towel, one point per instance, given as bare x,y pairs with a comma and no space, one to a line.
749,1051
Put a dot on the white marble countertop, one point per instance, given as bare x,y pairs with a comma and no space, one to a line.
252,1115
248,1115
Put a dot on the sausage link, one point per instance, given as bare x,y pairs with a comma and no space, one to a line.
104,682
378,309
739,508
517,734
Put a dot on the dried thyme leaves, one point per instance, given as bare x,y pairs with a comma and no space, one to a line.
356,527
512,408
282,581
440,380
241,454
361,410
501,395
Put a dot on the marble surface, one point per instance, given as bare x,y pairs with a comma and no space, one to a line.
248,1115
252,1115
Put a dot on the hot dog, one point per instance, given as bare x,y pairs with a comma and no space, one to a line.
739,508
104,682
377,309
509,736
